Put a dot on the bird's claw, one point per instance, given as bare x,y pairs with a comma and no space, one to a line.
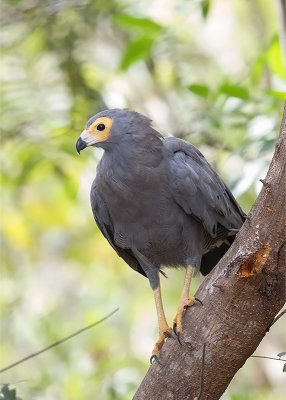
153,358
177,323
198,300
175,327
165,333
177,333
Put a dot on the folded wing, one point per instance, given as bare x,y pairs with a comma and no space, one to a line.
104,223
198,189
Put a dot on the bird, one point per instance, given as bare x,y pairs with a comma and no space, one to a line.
159,203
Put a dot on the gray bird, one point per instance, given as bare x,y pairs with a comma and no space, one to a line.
158,203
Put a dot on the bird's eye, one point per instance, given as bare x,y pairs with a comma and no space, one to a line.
100,127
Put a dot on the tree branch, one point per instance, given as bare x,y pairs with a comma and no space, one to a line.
60,341
241,297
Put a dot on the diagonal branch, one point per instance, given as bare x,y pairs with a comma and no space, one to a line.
60,341
241,297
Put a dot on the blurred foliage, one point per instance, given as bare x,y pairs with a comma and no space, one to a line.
211,72
8,394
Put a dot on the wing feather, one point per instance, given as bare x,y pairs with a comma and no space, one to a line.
104,223
198,189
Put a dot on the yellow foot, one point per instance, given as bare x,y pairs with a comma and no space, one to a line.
177,322
159,344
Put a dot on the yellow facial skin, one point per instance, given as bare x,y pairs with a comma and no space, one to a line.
98,131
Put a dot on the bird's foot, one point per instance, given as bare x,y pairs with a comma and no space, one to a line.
177,322
159,344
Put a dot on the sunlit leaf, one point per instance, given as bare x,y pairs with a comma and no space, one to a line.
275,59
143,26
234,90
205,5
35,43
272,57
200,90
258,68
278,95
137,49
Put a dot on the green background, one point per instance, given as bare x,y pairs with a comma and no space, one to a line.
212,72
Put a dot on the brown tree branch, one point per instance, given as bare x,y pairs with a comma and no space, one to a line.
241,297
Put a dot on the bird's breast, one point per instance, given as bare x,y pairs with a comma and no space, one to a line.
145,216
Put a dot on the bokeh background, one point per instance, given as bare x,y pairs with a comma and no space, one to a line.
212,72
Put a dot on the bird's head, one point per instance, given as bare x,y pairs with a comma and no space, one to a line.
112,127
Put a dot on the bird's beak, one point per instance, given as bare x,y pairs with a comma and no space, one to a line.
86,139
80,145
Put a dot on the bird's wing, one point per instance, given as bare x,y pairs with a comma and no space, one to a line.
104,223
198,189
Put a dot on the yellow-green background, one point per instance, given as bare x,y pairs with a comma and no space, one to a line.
212,72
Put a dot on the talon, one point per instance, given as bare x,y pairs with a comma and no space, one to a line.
175,328
153,358
177,322
198,300
177,333
159,344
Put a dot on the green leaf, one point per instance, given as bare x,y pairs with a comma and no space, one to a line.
276,94
274,58
234,90
137,49
205,6
271,57
257,69
200,90
284,368
142,25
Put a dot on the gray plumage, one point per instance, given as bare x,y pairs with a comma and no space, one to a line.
157,200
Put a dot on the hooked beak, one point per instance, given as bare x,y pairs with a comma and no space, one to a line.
80,145
90,138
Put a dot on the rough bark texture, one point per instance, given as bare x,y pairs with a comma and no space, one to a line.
241,297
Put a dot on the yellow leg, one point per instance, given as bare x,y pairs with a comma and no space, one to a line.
164,329
185,300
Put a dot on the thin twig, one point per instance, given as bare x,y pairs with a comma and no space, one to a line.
202,371
276,318
58,342
269,358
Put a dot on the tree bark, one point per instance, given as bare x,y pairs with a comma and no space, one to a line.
240,297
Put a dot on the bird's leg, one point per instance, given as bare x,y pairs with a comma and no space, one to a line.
153,275
185,301
164,329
